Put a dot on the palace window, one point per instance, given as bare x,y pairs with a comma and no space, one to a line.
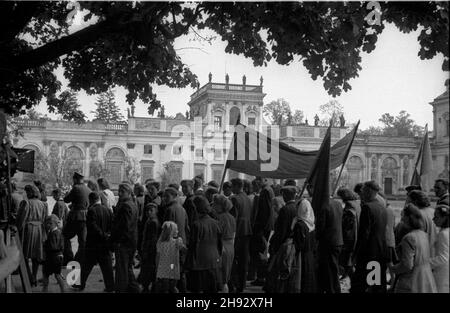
199,153
217,122
148,149
251,121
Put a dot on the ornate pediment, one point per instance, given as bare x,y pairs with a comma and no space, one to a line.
252,108
218,107
147,124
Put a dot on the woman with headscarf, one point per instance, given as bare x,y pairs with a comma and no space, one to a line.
205,248
303,279
30,223
222,206
94,188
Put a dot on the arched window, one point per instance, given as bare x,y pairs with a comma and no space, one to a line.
389,171
355,170
115,164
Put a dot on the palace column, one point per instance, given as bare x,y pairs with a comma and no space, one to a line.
368,171
401,183
379,171
87,159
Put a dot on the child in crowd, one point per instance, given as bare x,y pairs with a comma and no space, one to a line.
60,208
53,249
168,258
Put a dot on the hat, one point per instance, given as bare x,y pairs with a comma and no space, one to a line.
412,187
372,185
77,175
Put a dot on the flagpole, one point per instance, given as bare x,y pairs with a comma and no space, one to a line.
345,160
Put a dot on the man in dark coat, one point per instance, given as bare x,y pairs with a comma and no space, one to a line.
187,186
263,225
330,242
205,249
76,220
153,197
124,238
242,211
371,244
99,223
175,212
283,223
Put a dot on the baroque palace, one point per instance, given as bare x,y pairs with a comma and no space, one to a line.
149,144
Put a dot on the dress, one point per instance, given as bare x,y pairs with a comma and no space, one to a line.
440,263
30,222
429,227
414,270
169,258
304,273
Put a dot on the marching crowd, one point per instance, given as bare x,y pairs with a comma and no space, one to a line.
202,239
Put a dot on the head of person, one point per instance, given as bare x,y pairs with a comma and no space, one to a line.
77,178
92,185
152,209
169,230
412,217
227,191
39,185
152,188
247,187
125,191
346,194
418,198
32,192
221,204
358,189
306,214
440,187
288,193
210,192
51,222
57,194
94,198
256,185
198,182
411,188
103,184
187,187
370,190
202,205
214,184
441,216
237,185
175,186
170,195
139,190
290,182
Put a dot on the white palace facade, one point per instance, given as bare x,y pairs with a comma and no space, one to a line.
150,143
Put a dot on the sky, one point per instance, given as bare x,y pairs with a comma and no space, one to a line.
393,78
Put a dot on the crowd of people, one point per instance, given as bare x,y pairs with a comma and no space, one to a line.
208,239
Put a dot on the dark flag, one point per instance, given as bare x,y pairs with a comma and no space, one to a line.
424,165
320,176
246,151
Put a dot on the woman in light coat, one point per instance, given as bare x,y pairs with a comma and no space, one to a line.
440,263
414,269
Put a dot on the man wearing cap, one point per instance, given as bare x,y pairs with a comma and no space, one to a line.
412,187
124,237
188,205
76,219
371,244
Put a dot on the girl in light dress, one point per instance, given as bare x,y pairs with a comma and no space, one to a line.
168,258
